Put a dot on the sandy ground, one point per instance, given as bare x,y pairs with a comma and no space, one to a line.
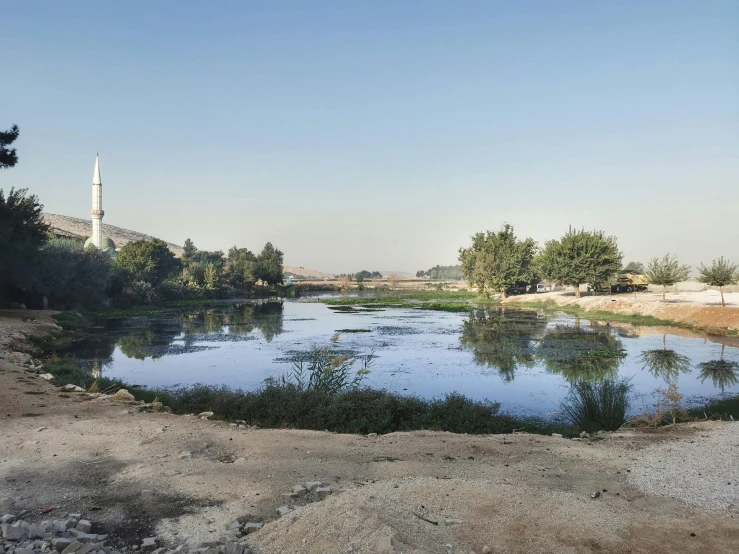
516,493
701,309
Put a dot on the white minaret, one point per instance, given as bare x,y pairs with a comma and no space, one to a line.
97,212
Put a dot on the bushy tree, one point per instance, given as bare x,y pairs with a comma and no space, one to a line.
8,156
22,233
720,274
240,267
72,277
497,261
580,257
666,272
149,261
268,267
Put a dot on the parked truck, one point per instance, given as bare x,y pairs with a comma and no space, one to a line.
626,281
630,281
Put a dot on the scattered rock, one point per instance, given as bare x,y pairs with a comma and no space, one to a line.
313,485
486,549
284,510
453,522
72,388
84,525
323,492
252,527
46,376
149,544
596,494
584,435
557,435
123,396
206,415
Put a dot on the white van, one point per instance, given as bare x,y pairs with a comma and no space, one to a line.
540,288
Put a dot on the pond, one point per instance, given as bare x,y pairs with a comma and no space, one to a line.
523,359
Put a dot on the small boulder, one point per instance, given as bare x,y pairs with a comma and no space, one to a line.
72,388
205,415
584,435
557,435
123,396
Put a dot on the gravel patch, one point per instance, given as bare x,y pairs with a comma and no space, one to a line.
700,470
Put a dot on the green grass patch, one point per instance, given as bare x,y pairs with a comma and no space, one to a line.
72,320
354,330
720,408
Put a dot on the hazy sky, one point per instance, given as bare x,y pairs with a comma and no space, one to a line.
381,135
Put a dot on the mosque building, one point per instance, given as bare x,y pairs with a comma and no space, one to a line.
97,238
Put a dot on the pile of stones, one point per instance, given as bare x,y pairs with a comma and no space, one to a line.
72,535
300,494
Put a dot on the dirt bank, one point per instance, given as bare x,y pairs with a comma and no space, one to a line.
699,310
393,493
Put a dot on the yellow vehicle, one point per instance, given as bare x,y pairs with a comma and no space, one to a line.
630,281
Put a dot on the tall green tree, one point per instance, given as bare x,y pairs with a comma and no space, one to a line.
720,274
8,155
269,265
22,233
580,257
189,251
497,261
666,272
150,261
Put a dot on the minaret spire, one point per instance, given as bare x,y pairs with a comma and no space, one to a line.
97,212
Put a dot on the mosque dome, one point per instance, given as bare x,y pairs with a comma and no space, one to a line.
108,244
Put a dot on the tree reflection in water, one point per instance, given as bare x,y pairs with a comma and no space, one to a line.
665,363
722,372
581,354
238,318
503,340
148,339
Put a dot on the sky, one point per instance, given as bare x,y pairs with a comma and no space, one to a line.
381,135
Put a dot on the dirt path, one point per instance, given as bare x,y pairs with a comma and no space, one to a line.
141,473
701,310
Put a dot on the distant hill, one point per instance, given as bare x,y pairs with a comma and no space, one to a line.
83,228
302,272
76,227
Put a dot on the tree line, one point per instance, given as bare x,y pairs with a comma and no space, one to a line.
497,261
451,272
35,264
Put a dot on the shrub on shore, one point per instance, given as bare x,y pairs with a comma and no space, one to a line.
359,410
598,405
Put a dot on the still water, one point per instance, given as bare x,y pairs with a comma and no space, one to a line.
523,359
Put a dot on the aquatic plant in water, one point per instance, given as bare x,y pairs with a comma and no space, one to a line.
327,370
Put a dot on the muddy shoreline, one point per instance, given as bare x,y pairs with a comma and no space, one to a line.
512,493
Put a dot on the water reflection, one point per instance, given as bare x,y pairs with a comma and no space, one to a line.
503,340
721,372
576,353
146,339
665,363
